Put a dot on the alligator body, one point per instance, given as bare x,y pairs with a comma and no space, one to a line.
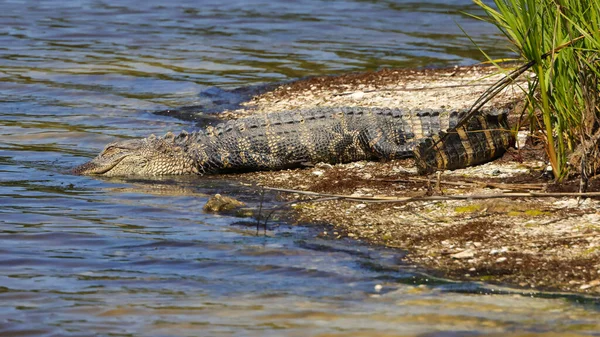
294,138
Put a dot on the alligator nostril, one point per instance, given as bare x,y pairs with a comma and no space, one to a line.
83,168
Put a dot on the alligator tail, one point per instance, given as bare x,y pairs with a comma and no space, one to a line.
483,138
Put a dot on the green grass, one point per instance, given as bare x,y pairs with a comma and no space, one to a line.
560,41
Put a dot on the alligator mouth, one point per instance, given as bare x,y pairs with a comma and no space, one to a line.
91,168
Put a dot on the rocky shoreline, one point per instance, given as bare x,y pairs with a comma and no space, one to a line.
534,242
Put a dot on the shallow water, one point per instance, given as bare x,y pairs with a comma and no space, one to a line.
84,256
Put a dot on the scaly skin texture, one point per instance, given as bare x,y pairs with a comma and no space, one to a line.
294,138
482,138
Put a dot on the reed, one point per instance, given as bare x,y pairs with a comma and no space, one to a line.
560,39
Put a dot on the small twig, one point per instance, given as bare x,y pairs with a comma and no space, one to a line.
576,236
347,93
472,183
444,197
260,206
285,204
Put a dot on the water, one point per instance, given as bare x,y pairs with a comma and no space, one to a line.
84,256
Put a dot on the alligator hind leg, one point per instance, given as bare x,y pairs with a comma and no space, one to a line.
380,143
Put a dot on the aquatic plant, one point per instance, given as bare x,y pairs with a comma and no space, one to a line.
560,41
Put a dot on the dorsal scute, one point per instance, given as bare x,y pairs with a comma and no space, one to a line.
297,118
355,112
310,115
194,137
380,111
213,130
239,125
253,123
424,112
399,112
169,136
289,118
182,137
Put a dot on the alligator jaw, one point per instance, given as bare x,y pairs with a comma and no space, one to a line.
150,156
92,167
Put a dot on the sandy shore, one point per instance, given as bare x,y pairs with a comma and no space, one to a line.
544,243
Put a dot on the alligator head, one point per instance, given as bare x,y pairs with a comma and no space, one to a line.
150,156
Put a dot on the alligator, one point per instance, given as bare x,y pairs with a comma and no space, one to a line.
291,139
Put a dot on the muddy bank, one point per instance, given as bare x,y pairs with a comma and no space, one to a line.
532,242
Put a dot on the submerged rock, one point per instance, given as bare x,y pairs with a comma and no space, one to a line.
222,204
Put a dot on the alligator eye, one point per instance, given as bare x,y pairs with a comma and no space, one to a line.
111,150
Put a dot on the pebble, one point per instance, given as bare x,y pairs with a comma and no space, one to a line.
324,166
591,284
358,164
567,203
498,251
501,259
521,139
317,173
358,95
465,254
594,218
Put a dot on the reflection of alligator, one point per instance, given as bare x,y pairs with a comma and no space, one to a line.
292,139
